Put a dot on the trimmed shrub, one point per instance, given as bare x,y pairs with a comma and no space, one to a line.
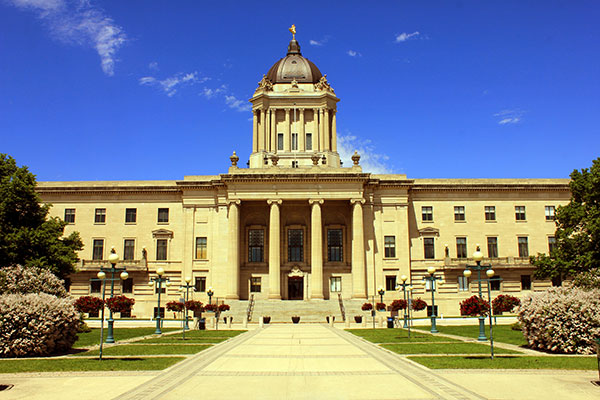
504,303
561,320
474,305
418,304
18,279
88,304
175,306
399,305
367,307
36,325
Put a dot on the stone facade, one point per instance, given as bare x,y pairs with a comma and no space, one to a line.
297,225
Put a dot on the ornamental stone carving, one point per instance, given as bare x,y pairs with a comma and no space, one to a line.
265,84
234,159
323,85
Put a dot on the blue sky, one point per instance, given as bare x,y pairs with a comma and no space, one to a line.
145,90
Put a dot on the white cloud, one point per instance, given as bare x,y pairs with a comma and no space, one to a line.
320,42
153,66
231,101
509,116
403,37
353,53
210,93
236,104
170,84
315,43
79,22
370,160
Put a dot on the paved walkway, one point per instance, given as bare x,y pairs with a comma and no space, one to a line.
305,361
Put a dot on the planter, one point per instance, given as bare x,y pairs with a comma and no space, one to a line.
266,320
332,318
295,320
358,319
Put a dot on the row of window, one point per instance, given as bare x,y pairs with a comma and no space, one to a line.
308,141
463,283
489,212
130,215
129,249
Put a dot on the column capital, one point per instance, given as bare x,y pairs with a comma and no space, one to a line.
357,200
274,201
315,201
234,202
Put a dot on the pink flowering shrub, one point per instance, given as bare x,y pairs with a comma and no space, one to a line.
561,320
36,325
19,279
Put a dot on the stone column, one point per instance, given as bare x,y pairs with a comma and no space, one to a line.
326,131
254,131
316,249
358,251
321,130
301,133
263,131
286,134
274,251
333,132
233,291
273,147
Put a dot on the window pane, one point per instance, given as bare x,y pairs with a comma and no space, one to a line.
130,215
100,216
309,141
550,210
390,246
70,215
280,141
129,249
200,284
490,213
294,141
427,213
201,248
461,247
127,285
520,213
390,283
336,284
459,213
161,249
463,283
295,245
551,244
523,247
429,249
256,243
255,285
334,245
495,283
525,282
492,246
98,249
163,215
95,286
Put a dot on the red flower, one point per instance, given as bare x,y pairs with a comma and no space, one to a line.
88,304
418,304
175,306
367,307
474,305
380,306
211,307
504,303
399,305
120,304
194,305
223,307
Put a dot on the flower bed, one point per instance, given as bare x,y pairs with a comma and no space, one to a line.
474,306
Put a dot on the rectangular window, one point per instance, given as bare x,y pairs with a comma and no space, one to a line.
280,141
294,141
390,246
525,282
162,312
429,248
295,245
490,213
161,249
461,247
130,215
427,213
309,141
95,286
98,249
390,283
495,283
335,284
523,247
334,245
550,210
200,284
100,216
255,285
551,244
70,215
163,215
256,245
430,309
201,248
127,285
162,288
492,246
129,249
294,164
520,213
463,284
459,213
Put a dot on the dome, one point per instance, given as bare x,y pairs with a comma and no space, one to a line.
294,66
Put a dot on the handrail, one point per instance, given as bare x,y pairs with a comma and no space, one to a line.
250,307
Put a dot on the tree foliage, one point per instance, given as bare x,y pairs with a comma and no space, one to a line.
27,235
577,229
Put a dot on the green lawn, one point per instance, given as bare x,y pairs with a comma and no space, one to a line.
502,333
82,364
150,349
504,362
444,348
92,338
396,335
195,337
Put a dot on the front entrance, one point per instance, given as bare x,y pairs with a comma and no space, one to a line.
295,288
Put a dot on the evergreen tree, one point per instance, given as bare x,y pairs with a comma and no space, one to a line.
577,229
27,235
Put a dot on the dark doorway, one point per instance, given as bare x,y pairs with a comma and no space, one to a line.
296,288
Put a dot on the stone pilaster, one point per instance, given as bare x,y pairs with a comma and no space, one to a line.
254,131
358,251
321,130
301,133
273,146
233,291
333,131
287,134
263,131
274,250
316,249
326,131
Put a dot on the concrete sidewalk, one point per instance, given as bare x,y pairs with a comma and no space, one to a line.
305,361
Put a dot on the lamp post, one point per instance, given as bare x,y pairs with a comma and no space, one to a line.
478,257
113,258
409,307
157,282
432,278
210,293
404,278
185,288
490,274
102,277
381,292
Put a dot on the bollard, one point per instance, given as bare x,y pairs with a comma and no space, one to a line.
261,323
347,322
229,321
212,322
245,323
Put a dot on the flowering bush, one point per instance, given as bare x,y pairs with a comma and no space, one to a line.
367,307
36,325
504,303
224,307
564,320
194,305
19,279
474,305
588,280
176,306
399,305
120,304
418,304
380,306
211,307
88,304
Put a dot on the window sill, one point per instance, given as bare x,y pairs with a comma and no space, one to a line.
490,221
99,223
427,221
162,223
520,220
460,221
130,223
390,258
200,259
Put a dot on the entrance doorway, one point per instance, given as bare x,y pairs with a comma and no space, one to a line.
295,288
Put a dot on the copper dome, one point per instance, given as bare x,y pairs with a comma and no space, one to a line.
294,66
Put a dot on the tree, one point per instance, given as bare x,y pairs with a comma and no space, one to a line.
27,235
577,229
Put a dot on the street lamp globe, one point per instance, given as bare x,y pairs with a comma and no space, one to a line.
124,275
490,273
113,258
101,275
188,279
151,283
168,283
403,278
160,271
431,270
467,273
478,255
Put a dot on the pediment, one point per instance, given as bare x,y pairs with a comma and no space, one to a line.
429,231
162,234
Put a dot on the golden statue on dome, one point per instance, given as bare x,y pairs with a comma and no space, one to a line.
293,30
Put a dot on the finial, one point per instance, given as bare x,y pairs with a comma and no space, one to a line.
355,157
293,30
234,159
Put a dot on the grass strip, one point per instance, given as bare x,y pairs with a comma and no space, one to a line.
397,336
178,339
508,362
444,348
502,333
155,349
87,339
74,364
